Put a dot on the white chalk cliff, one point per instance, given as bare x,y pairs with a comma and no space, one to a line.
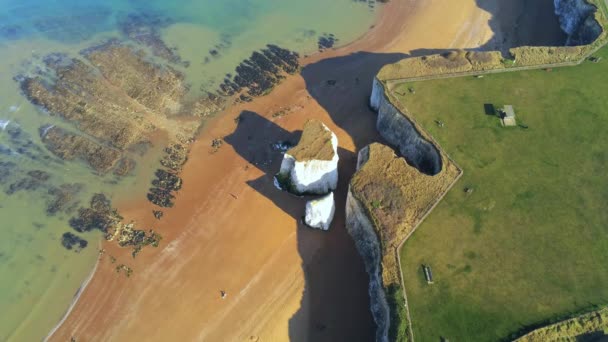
320,212
311,167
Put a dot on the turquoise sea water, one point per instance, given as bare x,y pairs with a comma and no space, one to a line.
38,276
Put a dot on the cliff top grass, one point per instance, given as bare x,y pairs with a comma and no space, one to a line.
397,201
593,324
527,244
447,63
315,143
461,62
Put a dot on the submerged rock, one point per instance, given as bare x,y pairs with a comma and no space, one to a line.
311,167
320,212
73,242
63,198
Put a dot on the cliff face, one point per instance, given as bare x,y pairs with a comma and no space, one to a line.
400,132
311,167
368,246
577,20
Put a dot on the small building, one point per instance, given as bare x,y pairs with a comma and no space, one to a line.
428,274
508,116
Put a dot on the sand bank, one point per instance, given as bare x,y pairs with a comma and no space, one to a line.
231,230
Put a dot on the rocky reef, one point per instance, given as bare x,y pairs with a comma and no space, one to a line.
259,74
145,28
101,216
320,212
311,167
113,99
577,20
70,146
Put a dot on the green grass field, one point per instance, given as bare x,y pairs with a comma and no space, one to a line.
530,243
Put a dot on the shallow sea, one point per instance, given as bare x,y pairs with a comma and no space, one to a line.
38,276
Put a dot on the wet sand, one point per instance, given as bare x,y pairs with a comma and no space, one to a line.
232,230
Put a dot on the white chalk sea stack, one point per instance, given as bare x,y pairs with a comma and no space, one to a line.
320,212
311,167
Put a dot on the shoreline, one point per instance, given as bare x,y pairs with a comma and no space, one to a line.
77,295
291,91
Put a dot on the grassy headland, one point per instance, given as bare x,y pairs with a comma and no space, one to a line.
528,243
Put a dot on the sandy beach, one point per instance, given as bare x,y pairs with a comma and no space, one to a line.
232,230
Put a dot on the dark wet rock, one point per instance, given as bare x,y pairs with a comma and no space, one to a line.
128,271
175,157
73,242
245,98
157,214
167,180
216,144
327,41
129,236
63,198
164,185
261,72
161,197
100,215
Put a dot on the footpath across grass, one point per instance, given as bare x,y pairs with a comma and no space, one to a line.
528,242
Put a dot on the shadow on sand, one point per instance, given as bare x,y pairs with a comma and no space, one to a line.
335,302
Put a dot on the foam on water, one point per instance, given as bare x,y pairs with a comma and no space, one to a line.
38,276
4,124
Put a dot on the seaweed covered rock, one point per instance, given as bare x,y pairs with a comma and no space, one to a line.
320,212
311,167
164,185
261,72
70,146
73,242
99,215
127,235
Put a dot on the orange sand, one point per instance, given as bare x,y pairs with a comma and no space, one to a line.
232,230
